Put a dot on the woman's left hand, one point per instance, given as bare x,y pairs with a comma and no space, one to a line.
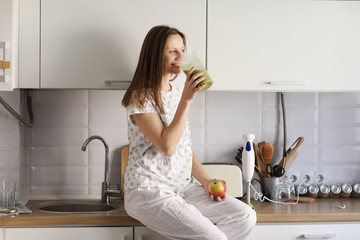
206,187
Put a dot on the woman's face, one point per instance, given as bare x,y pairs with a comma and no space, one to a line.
174,49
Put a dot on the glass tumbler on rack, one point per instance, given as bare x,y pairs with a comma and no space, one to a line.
7,194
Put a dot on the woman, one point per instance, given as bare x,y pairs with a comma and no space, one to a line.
159,191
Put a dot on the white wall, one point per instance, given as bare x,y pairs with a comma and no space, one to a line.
64,119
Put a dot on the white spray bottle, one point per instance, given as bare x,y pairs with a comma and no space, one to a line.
248,163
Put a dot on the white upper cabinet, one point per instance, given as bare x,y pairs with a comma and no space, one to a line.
29,44
284,45
96,44
8,44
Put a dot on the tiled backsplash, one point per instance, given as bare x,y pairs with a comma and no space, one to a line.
64,119
12,150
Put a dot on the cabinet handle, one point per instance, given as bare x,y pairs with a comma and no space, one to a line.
320,236
116,81
286,83
4,64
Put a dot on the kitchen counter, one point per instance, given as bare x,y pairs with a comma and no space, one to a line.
36,218
323,210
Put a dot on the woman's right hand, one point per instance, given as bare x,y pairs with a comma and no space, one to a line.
190,87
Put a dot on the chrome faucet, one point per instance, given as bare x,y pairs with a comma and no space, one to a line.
106,190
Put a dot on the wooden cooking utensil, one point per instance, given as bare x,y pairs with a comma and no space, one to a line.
258,161
260,145
267,153
124,154
303,199
291,155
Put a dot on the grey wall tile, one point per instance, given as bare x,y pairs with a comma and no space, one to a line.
328,121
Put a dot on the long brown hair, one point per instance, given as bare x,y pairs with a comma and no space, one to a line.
148,73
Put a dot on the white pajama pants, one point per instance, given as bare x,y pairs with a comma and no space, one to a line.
190,214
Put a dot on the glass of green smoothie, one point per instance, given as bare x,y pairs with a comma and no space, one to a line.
189,60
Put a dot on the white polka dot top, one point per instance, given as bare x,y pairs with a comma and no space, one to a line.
147,166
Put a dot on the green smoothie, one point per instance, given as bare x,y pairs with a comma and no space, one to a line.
207,79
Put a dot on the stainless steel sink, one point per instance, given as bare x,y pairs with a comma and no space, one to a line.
76,207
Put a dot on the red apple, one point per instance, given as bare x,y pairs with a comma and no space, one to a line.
217,188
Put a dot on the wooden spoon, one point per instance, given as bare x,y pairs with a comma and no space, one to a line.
258,162
260,145
267,153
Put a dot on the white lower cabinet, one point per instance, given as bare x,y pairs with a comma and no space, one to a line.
282,231
144,233
85,233
268,231
75,233
2,233
312,231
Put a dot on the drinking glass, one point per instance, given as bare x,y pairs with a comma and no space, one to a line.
7,194
189,60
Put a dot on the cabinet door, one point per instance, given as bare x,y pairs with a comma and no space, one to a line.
8,44
311,231
144,233
2,233
94,233
284,45
84,43
29,43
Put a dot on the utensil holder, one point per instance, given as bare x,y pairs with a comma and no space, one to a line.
269,185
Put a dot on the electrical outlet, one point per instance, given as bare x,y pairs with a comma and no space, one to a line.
293,178
320,177
306,177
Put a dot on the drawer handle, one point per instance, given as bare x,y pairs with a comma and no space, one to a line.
286,83
321,236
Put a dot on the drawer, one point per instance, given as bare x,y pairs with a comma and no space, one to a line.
312,231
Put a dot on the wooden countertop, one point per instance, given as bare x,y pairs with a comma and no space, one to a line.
36,218
323,210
